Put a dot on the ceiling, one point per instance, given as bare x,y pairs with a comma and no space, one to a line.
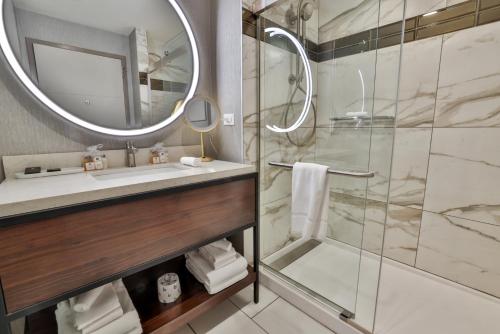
118,16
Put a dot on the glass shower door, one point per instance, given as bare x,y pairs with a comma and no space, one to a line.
350,126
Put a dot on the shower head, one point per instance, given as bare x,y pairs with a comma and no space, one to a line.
307,10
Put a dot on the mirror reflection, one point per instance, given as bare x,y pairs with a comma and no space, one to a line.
120,64
202,115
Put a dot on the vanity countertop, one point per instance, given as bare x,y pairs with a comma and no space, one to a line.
20,196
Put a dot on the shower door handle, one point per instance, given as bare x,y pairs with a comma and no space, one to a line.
273,31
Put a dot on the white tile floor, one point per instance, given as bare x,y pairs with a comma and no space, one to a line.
239,315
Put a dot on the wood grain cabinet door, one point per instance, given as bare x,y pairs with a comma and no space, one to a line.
44,259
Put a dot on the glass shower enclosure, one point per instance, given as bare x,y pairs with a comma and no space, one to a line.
353,54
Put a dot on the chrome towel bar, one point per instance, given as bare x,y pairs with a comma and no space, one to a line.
330,171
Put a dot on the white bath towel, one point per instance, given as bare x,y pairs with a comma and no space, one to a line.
310,200
217,257
106,307
84,301
137,330
129,323
213,289
223,244
214,277
107,319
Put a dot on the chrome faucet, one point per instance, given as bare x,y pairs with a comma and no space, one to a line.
131,151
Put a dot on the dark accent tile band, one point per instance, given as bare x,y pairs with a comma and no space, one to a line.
453,18
162,85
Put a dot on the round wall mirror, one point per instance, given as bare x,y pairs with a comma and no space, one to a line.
202,115
112,66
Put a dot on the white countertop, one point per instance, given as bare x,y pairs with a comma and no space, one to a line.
19,196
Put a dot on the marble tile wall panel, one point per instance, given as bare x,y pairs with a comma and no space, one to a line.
275,226
250,142
380,162
386,81
249,100
373,232
409,170
391,11
345,149
346,219
356,221
249,81
342,18
464,174
275,181
346,85
469,84
461,250
249,4
276,90
401,234
419,79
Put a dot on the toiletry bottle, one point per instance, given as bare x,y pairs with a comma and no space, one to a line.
159,154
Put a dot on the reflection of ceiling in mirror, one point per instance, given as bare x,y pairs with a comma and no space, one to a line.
156,16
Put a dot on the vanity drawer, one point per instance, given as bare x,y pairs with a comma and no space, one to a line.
44,259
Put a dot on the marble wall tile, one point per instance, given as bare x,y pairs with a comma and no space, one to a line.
401,234
419,7
275,226
464,174
249,4
356,221
345,149
346,17
373,233
386,81
380,162
409,169
391,11
352,85
461,250
419,78
250,142
249,81
276,182
346,219
469,84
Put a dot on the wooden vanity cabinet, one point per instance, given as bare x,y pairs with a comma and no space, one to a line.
50,256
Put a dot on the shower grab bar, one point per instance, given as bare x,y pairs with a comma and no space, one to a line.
330,171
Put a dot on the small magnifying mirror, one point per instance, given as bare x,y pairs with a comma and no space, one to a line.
202,115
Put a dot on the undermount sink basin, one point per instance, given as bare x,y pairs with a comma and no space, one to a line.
121,173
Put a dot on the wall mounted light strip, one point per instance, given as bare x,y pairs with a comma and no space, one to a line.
273,31
32,87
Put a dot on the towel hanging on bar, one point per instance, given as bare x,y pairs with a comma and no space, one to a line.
330,171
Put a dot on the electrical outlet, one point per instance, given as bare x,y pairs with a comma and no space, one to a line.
229,119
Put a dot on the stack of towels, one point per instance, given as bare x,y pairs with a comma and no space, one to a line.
105,310
217,265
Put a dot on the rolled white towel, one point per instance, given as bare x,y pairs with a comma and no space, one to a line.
217,257
223,244
84,301
215,277
106,307
190,161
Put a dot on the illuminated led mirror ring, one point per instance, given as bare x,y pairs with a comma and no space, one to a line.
25,79
307,66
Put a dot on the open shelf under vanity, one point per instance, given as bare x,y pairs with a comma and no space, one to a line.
155,316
